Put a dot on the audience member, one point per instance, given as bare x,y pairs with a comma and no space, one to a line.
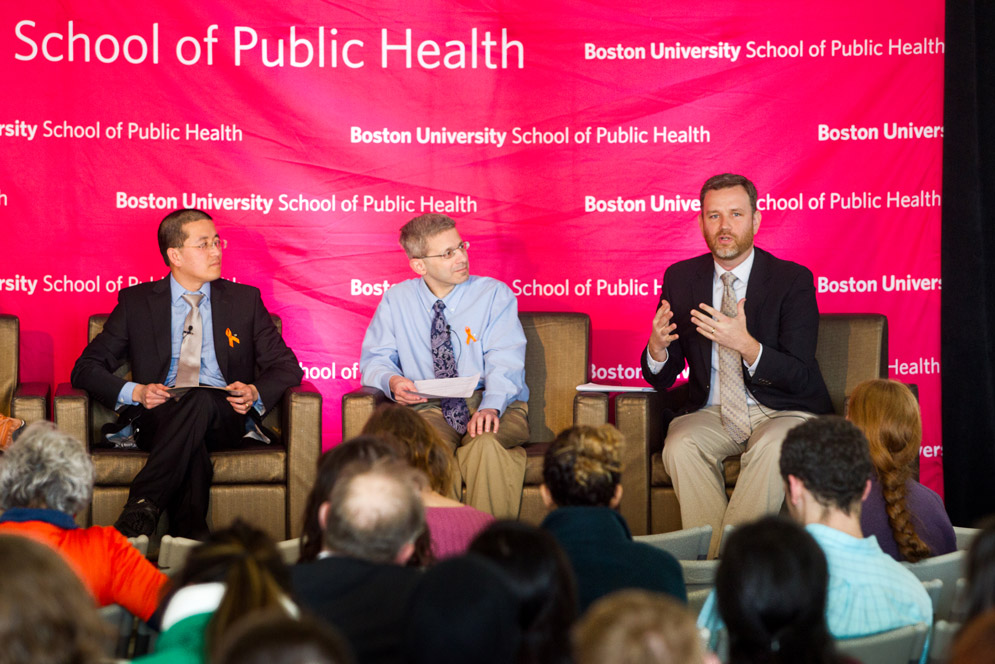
975,643
359,583
464,611
771,591
46,476
638,627
235,572
980,596
272,637
826,469
452,525
330,464
581,475
908,519
542,581
46,615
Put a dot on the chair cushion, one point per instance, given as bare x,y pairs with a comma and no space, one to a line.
255,464
534,455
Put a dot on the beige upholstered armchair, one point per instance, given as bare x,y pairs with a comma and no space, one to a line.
556,362
851,348
28,401
267,485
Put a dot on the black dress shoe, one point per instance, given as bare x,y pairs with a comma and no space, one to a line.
139,517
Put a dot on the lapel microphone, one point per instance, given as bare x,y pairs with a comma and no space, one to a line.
189,330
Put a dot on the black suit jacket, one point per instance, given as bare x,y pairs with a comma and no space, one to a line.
370,603
138,331
781,313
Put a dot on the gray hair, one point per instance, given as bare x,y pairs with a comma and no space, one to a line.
46,468
375,510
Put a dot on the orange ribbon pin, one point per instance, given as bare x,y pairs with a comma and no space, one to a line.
469,336
232,338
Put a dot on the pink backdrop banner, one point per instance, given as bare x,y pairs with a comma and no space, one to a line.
568,139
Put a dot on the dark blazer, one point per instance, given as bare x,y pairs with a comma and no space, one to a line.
138,332
370,603
781,313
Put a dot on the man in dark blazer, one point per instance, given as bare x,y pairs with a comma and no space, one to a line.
761,322
360,583
240,351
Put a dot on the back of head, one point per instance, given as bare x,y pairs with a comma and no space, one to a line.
888,414
46,615
375,511
771,588
422,445
829,455
46,468
583,466
171,233
463,611
981,572
268,637
975,643
416,232
541,578
330,465
247,562
637,627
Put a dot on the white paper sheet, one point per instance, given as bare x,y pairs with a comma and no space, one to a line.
447,388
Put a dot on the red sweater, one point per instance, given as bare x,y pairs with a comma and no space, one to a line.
112,569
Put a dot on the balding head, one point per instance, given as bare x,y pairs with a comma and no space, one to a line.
375,512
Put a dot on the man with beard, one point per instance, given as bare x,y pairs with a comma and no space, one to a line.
443,324
746,324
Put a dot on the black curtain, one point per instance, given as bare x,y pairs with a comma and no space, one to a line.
968,271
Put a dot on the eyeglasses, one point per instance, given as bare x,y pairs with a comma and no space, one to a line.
449,253
218,243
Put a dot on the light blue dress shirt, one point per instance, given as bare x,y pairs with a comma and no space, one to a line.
869,592
487,337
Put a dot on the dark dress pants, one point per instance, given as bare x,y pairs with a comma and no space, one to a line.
179,436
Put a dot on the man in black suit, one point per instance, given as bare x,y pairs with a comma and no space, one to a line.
360,583
233,344
746,324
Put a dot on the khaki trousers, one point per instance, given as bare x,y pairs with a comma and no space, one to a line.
694,451
492,465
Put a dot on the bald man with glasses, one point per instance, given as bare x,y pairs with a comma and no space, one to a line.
189,329
446,323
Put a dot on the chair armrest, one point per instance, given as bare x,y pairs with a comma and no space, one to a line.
72,411
591,408
302,436
30,402
357,406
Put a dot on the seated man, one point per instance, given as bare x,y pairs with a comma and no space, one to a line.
189,329
411,337
359,583
826,469
46,477
746,324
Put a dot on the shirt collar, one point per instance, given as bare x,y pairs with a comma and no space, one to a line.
824,534
451,300
176,291
53,517
742,271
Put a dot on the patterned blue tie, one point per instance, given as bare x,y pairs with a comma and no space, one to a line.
444,364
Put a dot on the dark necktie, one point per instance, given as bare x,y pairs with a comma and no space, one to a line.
188,371
444,364
732,390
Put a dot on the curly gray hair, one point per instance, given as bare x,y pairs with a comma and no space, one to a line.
45,467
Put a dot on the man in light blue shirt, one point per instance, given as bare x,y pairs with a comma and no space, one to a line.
826,469
479,316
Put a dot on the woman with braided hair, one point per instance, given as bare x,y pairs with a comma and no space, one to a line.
908,519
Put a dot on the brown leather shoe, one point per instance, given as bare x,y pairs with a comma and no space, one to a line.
139,517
